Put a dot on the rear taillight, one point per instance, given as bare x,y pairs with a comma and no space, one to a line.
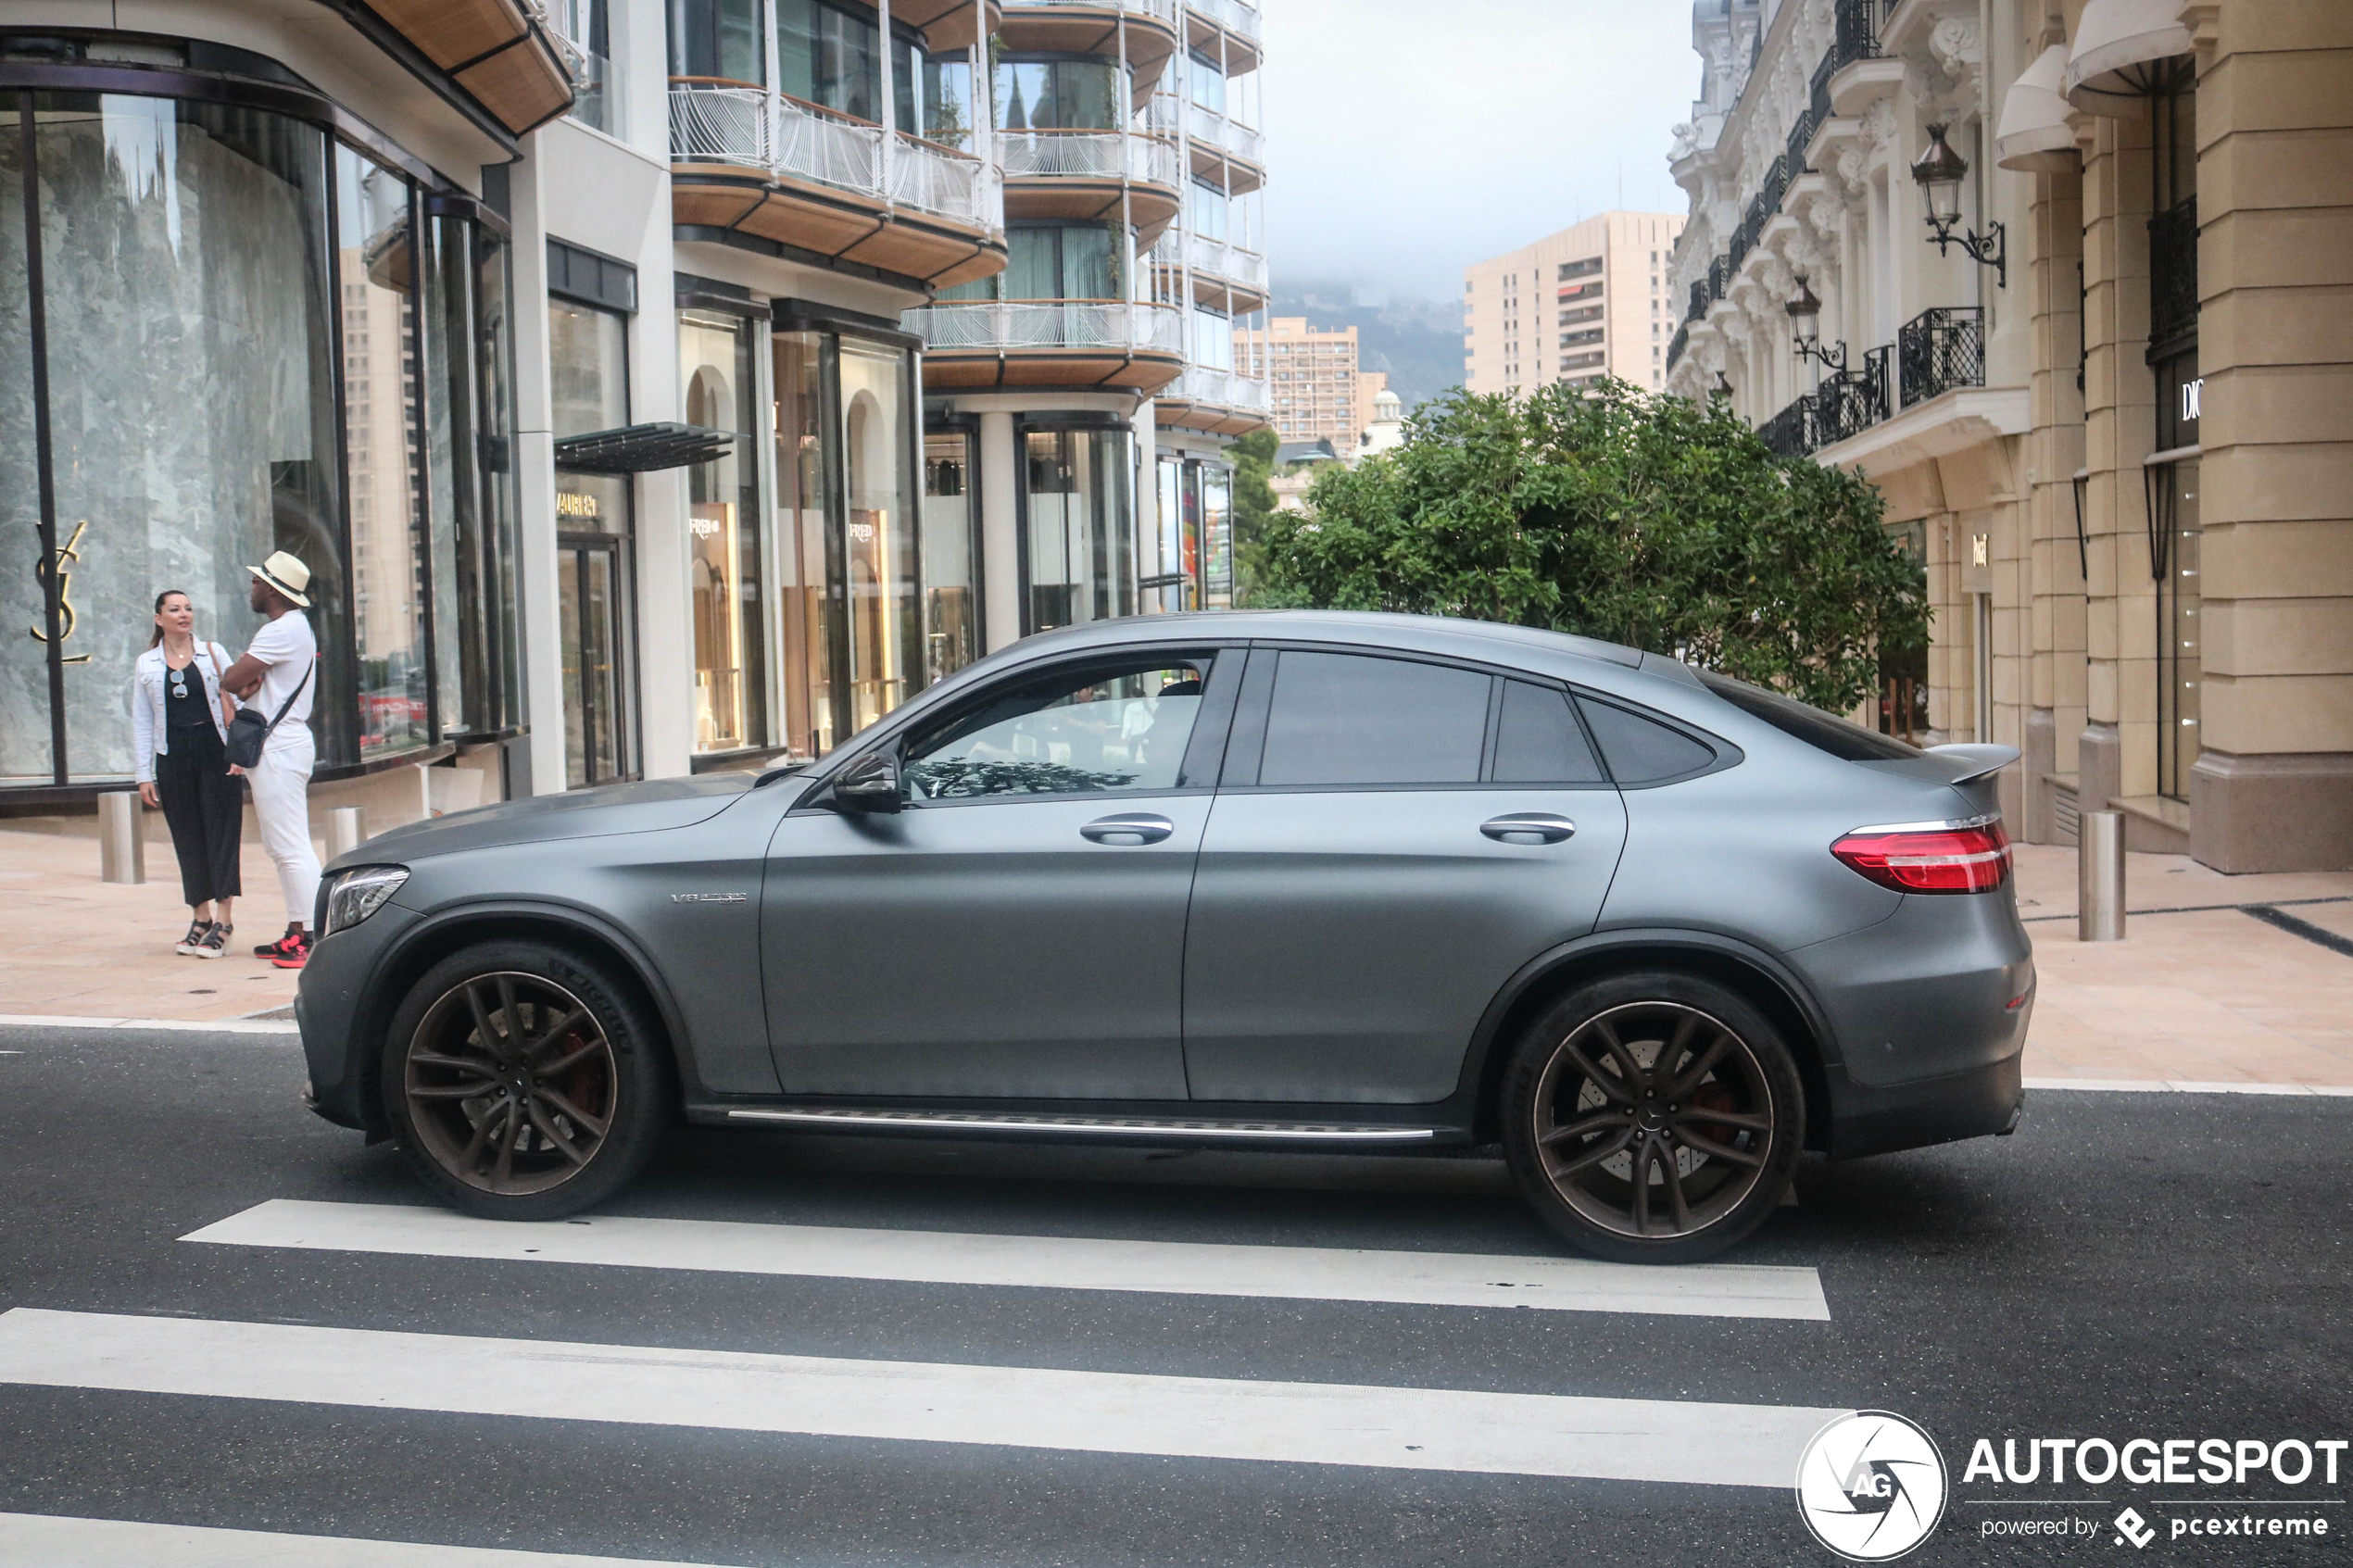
1930,857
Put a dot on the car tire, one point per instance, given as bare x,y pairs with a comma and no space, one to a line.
551,1124
1677,1073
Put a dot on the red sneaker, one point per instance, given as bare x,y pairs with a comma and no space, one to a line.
296,955
288,945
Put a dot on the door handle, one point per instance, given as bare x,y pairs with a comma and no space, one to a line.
1128,828
1529,827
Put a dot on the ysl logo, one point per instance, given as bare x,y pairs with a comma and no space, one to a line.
43,570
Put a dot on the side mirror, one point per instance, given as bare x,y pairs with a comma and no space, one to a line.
871,784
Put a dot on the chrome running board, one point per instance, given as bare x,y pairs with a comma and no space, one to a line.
1092,1126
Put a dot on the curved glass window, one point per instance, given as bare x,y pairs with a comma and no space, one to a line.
1077,94
237,361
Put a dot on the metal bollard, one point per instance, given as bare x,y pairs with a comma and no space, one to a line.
2099,877
122,849
346,829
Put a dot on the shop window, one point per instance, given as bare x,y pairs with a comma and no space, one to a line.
723,514
804,607
1079,506
588,383
951,521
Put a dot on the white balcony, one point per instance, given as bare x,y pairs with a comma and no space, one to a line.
1232,15
1158,11
1119,326
1090,155
1217,131
1201,384
750,127
1247,267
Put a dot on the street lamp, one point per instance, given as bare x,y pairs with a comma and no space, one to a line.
1939,173
1804,319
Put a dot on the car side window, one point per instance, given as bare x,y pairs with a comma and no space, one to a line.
1539,741
1351,719
1111,728
1641,750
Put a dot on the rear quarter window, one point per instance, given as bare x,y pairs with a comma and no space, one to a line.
1641,750
1823,731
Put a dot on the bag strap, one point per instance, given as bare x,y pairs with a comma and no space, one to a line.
228,714
291,695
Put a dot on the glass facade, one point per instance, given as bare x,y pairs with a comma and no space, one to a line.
1059,94
952,553
222,333
1196,567
588,388
715,362
1077,501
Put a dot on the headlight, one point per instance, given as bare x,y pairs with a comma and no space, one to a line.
355,895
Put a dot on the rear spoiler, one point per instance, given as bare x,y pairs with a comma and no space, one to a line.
1973,762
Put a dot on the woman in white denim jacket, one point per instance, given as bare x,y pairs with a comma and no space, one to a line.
179,732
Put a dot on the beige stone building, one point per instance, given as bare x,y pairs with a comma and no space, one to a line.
2147,212
1590,301
1314,379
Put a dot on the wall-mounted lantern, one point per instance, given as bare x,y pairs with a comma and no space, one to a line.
1939,173
1805,321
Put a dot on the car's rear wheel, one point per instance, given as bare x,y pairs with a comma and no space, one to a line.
1652,1118
522,1082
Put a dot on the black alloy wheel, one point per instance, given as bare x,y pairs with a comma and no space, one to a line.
521,1084
1654,1118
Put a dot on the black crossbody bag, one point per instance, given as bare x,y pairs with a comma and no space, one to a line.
248,734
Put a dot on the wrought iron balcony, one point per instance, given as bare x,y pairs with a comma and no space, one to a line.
1939,349
1789,434
1119,325
751,128
1675,349
1856,32
2173,274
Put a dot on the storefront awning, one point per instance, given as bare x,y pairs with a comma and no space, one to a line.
641,448
2120,54
2033,137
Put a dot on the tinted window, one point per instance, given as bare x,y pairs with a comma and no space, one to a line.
1540,741
1342,719
1641,750
1074,731
1825,731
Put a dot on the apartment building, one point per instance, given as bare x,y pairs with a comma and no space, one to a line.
2007,260
1586,302
579,349
1312,378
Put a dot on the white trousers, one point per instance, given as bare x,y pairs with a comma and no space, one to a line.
281,784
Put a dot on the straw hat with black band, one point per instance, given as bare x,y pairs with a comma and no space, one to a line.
287,575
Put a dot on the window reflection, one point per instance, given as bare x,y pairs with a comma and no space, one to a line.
1077,492
1088,733
951,616
884,631
722,505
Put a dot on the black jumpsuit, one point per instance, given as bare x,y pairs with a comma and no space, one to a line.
203,803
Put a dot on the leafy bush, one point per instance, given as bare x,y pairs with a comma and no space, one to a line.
1647,520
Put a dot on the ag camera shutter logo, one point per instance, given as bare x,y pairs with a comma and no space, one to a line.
1871,1485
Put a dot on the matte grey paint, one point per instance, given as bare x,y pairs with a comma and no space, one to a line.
1304,946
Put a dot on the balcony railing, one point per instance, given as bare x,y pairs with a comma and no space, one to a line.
1159,10
750,127
1232,15
1089,155
1245,267
1675,349
1200,383
1846,404
1048,323
1218,131
1856,32
1788,433
1939,349
2173,273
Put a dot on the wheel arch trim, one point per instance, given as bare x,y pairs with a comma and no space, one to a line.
1482,1062
434,927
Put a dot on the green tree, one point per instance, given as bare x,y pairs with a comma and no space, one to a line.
1254,504
1651,521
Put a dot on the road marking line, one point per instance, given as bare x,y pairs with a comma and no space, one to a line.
1431,1429
43,1540
1300,1274
182,1025
2186,1086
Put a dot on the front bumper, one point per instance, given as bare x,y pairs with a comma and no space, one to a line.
337,1014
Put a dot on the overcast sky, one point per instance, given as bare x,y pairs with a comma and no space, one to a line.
1406,138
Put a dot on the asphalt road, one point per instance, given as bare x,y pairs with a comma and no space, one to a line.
2126,1265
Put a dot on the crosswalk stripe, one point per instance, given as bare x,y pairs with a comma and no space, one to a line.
1431,1429
43,1540
1323,1273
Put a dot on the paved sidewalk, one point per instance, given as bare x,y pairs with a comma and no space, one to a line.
2206,993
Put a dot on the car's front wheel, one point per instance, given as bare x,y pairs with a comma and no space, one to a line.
1652,1118
522,1082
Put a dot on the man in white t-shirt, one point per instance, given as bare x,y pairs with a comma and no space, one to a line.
277,677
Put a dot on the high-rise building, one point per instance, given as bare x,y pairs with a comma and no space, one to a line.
1312,378
1586,302
2003,263
652,386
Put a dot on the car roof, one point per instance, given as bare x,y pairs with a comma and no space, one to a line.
1424,633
